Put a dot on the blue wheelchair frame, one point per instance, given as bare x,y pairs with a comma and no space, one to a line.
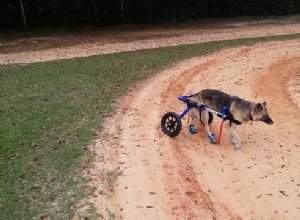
171,122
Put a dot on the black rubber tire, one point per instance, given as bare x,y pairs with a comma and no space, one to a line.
171,124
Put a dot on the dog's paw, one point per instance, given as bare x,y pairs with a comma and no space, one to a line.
212,138
237,146
236,143
192,129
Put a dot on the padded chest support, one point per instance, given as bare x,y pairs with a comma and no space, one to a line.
228,114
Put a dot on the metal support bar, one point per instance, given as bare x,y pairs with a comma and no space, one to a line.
185,112
192,104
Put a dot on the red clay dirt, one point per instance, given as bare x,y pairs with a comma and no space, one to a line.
186,177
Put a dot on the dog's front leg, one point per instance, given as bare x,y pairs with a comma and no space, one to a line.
234,137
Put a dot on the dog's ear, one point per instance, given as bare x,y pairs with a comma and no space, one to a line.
259,107
264,103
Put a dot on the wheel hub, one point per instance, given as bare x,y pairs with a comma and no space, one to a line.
171,124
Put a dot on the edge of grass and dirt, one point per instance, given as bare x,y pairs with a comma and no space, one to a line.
50,112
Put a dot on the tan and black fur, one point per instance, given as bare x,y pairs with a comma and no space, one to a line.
239,111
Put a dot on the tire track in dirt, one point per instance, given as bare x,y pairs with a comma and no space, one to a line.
270,140
186,177
195,201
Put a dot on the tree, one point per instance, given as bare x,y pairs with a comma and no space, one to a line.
23,15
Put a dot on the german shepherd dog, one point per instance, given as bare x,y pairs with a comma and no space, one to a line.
237,111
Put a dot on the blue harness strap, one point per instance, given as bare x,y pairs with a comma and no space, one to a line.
185,97
224,110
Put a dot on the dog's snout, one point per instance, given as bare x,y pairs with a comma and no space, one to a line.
270,122
267,119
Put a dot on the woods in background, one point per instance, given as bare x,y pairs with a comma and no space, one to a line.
17,14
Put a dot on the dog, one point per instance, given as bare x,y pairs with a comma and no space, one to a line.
238,111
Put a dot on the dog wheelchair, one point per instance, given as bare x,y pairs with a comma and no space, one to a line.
171,122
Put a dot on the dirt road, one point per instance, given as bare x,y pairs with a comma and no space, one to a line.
40,49
186,177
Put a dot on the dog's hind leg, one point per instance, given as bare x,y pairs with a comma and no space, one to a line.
234,137
211,136
194,115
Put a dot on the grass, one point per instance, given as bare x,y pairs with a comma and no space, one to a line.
110,177
50,111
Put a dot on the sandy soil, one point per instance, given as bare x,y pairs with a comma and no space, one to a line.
153,176
188,178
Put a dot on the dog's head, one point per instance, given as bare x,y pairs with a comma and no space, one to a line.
261,113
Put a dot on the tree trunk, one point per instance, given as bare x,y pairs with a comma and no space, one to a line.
89,12
122,10
23,15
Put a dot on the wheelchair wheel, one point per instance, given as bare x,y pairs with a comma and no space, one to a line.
171,124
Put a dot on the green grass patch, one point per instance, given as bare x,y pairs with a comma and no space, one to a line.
50,111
